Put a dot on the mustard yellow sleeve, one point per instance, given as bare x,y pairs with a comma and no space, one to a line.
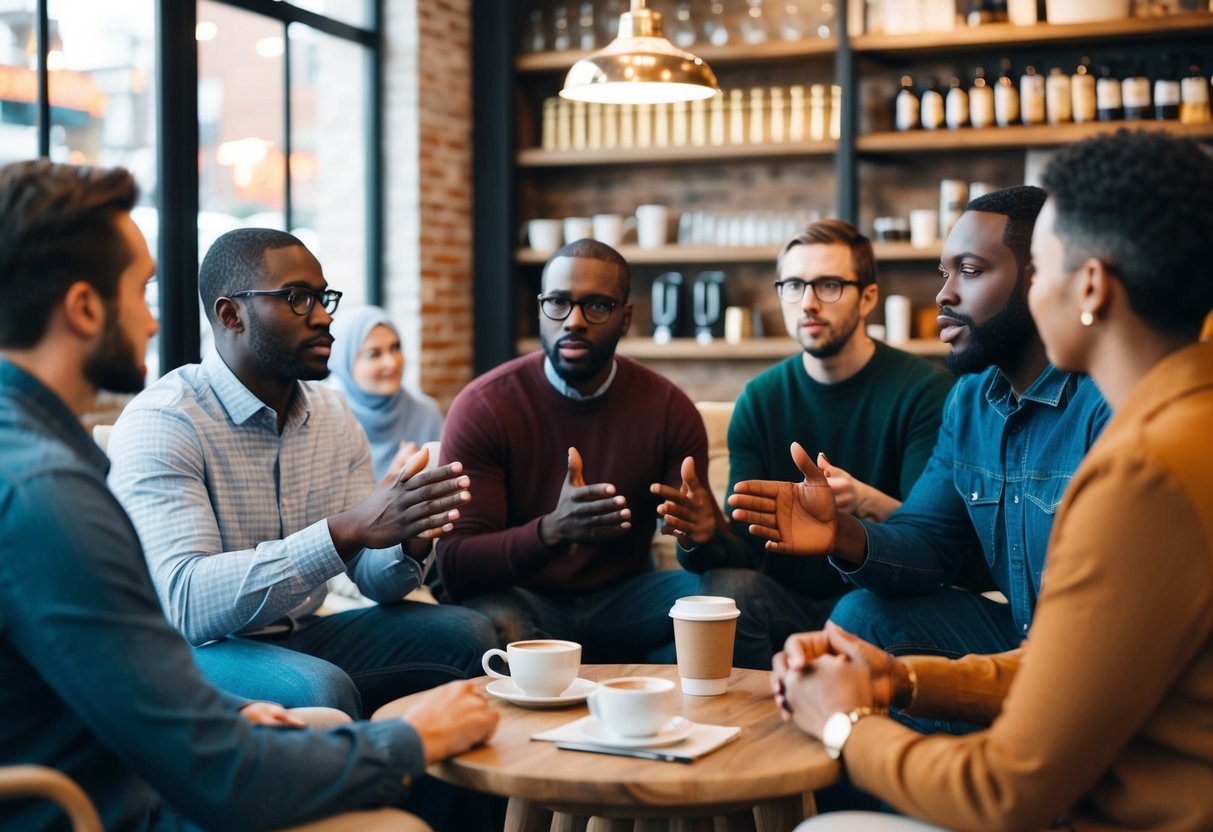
970,689
1125,607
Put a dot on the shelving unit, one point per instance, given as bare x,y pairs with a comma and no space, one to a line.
894,163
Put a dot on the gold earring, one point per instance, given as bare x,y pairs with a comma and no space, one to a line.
1086,318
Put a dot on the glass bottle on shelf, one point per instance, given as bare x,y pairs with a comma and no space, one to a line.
981,100
1082,93
661,125
1166,91
823,22
796,113
716,25
534,38
580,125
817,112
627,125
1059,104
699,122
776,123
610,126
736,117
681,29
905,105
754,28
585,22
956,105
1194,97
1006,97
1108,103
757,115
548,127
932,109
679,124
1135,94
562,38
792,24
1031,97
594,137
716,128
835,112
644,125
564,124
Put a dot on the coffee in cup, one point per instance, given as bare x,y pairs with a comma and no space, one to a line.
704,630
634,706
538,667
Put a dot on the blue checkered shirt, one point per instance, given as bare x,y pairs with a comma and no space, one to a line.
232,514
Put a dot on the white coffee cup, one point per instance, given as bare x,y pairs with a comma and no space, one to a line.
538,667
651,223
577,228
897,310
924,227
634,706
608,229
543,235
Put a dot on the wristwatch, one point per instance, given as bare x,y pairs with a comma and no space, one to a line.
837,730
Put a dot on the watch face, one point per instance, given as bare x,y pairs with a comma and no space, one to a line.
835,732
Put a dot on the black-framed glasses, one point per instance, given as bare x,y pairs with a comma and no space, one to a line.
596,310
300,300
825,289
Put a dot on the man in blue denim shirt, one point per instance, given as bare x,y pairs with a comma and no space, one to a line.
1014,429
96,682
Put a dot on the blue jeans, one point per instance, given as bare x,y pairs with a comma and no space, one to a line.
355,661
770,612
950,623
629,622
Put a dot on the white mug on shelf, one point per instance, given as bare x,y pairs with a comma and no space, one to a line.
924,227
651,222
577,228
608,229
897,319
543,235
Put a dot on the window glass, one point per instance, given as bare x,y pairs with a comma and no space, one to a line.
18,81
353,12
329,178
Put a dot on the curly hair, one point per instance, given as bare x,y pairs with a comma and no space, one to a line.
589,249
1141,202
825,232
57,226
1021,205
236,261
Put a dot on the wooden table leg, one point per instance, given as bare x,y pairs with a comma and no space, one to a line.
692,825
651,825
809,804
525,816
736,822
780,815
562,822
598,824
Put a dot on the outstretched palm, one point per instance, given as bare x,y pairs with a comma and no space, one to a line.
794,518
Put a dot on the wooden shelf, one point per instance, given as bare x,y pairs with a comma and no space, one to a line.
1005,34
539,158
778,50
752,349
1012,137
677,254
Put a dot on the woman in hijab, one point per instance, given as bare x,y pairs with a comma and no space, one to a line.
367,365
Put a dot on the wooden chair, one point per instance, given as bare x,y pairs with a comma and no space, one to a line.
30,781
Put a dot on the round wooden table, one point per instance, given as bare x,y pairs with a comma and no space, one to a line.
761,781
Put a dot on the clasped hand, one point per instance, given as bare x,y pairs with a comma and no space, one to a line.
584,513
793,518
687,510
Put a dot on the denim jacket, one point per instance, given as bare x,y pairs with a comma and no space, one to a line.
992,485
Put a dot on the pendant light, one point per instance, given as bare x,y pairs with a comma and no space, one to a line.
640,67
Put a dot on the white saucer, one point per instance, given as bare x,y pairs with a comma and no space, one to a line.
676,730
573,694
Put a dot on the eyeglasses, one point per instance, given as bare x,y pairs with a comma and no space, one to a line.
299,300
825,289
596,310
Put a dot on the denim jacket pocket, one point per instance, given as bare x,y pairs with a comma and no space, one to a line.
982,494
1043,494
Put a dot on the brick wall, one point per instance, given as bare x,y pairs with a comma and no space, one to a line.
428,189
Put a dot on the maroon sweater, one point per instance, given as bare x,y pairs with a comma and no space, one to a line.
512,430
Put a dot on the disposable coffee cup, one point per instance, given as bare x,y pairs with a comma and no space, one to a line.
704,630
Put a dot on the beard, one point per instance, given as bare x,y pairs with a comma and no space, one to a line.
277,357
835,338
598,357
113,365
998,342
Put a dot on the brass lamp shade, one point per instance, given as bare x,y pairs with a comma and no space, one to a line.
640,67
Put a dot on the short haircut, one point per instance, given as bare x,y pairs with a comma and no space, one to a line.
1021,205
1142,203
588,249
236,261
825,232
57,226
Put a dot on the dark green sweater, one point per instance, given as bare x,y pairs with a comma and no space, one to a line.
879,426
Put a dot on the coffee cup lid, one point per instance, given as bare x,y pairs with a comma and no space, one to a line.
704,608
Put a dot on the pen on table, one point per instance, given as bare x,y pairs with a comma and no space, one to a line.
643,754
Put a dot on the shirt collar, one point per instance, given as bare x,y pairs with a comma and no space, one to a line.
240,403
1048,389
565,390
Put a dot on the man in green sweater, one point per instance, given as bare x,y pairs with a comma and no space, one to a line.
870,411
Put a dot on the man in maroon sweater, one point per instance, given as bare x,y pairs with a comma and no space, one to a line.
540,551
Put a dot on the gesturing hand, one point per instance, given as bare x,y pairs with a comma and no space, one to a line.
687,510
403,455
451,719
793,518
412,503
855,496
584,513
